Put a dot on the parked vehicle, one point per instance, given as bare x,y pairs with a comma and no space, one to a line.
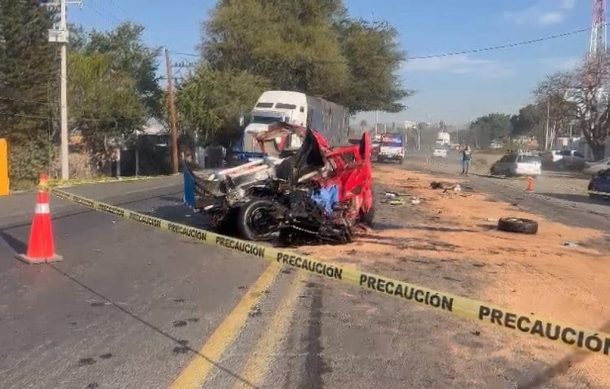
517,164
593,168
318,193
564,160
599,186
329,119
392,147
439,153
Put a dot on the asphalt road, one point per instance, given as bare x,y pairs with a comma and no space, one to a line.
134,307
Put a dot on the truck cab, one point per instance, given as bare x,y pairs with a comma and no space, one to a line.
272,107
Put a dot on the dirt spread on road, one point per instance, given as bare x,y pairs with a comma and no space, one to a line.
449,241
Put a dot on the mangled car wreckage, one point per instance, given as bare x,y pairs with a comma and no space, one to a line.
314,194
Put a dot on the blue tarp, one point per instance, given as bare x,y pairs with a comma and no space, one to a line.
326,198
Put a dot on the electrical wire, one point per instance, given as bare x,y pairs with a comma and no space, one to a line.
503,46
472,51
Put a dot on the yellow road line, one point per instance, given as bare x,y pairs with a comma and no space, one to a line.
200,367
258,364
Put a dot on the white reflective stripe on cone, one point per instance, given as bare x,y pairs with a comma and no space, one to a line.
42,208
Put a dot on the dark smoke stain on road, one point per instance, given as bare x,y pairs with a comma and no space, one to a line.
86,362
183,348
179,323
314,362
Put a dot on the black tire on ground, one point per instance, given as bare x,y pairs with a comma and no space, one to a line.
514,224
256,221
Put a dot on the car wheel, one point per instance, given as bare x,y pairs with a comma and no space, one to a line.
257,220
519,225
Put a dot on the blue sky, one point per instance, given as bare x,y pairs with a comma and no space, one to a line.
456,88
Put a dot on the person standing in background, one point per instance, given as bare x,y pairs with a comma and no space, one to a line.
466,157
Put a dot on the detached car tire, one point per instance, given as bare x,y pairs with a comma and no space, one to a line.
519,225
256,221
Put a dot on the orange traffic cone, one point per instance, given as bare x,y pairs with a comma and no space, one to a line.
41,247
530,184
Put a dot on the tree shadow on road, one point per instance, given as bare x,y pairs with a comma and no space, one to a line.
542,378
181,345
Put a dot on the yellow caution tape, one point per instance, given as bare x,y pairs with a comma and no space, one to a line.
101,180
581,338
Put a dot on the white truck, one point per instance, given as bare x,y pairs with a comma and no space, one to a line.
443,140
328,118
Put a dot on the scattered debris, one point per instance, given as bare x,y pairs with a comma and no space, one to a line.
415,201
395,194
439,185
569,243
255,311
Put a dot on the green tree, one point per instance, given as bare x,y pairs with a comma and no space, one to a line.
487,128
289,43
374,58
104,103
211,102
309,46
28,69
130,55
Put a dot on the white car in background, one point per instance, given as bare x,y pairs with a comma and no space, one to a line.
439,153
595,167
518,165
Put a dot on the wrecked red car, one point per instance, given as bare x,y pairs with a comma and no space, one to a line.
316,194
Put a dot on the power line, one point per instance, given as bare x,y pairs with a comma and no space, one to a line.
504,46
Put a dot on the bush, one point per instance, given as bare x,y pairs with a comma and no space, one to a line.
27,162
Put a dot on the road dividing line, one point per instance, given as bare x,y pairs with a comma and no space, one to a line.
260,360
198,370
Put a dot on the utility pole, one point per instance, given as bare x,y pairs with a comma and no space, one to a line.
548,120
60,35
172,112
63,102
